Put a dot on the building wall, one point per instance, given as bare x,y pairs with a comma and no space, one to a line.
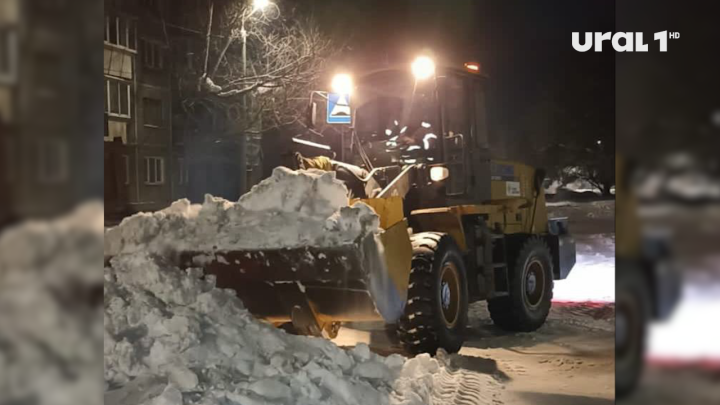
134,153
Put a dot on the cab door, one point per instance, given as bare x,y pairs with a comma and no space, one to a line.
465,137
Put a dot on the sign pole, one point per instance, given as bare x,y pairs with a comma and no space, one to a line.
342,144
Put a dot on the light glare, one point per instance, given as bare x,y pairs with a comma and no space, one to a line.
439,173
423,67
342,83
260,4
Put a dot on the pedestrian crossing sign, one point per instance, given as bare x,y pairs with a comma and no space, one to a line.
338,109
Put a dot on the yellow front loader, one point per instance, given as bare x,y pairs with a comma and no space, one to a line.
458,227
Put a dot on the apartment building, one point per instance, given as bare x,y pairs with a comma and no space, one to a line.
144,168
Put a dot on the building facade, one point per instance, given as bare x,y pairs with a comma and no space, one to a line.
144,165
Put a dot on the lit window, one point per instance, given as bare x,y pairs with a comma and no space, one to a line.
154,170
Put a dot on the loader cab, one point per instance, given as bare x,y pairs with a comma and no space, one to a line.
438,122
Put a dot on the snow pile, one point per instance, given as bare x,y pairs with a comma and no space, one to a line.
688,335
171,337
50,310
289,209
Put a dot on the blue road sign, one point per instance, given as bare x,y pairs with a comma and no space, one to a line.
338,109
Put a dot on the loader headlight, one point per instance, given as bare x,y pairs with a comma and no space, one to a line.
423,67
439,173
342,83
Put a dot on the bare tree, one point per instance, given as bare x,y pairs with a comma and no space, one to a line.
258,67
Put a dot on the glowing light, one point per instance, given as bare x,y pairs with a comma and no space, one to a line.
423,68
260,4
473,67
439,173
388,132
342,83
425,124
313,144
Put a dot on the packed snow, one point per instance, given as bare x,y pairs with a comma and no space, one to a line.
171,337
289,209
592,279
51,310
692,333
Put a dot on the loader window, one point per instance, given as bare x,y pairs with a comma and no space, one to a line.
398,116
458,106
481,126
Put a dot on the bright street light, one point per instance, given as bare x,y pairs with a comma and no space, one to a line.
423,67
260,4
342,83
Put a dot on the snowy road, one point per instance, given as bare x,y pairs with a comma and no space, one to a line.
570,360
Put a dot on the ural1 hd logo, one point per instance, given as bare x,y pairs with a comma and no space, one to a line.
621,41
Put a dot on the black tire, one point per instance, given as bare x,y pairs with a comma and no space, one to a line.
632,314
436,311
527,306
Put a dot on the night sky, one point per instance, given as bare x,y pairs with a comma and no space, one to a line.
524,46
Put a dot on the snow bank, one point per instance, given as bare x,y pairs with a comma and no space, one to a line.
171,337
289,209
50,310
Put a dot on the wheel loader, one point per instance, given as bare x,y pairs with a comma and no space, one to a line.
457,226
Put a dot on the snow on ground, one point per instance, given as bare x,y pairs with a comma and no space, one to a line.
693,331
592,224
289,209
50,312
172,338
593,277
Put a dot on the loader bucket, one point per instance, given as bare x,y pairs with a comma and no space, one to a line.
335,284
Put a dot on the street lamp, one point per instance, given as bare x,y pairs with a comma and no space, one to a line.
260,4
342,83
423,67
257,5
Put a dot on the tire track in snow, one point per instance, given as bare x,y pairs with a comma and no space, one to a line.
458,386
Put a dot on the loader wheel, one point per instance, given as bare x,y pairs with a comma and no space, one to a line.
527,306
436,311
632,315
